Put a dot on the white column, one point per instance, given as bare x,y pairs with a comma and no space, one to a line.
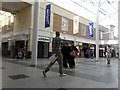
74,41
97,33
51,39
35,35
0,52
119,27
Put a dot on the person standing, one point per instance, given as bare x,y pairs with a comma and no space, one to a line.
57,52
23,50
92,53
66,55
105,51
87,53
108,54
16,52
73,48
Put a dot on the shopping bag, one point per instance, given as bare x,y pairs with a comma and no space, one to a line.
19,54
72,53
53,58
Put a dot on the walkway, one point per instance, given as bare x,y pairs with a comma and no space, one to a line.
86,74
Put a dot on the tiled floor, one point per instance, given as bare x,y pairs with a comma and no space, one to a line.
86,74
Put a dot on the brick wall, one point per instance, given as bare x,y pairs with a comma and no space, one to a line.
57,26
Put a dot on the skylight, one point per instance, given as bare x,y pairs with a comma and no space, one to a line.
108,12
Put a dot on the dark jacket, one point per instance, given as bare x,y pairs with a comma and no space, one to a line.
66,51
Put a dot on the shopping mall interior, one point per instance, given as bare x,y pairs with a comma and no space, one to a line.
28,31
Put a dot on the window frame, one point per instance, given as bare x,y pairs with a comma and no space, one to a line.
63,28
83,27
9,23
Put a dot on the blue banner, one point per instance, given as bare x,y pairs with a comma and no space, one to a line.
47,15
90,29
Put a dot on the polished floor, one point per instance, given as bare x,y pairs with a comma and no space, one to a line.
17,73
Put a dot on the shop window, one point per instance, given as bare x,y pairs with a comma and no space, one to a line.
111,35
9,22
101,35
64,24
83,30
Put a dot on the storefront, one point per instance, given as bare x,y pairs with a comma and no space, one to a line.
10,43
5,51
43,47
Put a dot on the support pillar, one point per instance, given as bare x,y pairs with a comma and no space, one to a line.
50,43
35,33
97,33
0,52
74,41
119,27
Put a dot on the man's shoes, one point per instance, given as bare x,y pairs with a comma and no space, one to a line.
61,75
108,63
44,73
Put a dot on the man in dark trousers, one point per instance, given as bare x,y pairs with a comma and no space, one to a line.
66,55
57,52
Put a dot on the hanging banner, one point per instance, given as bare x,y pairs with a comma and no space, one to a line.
75,24
47,15
90,29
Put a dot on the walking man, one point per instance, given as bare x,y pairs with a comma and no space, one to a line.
57,52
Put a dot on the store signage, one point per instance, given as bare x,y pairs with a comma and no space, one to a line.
90,29
47,15
44,39
75,24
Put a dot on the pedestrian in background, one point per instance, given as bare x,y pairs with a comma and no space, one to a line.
92,53
66,55
87,53
105,51
58,54
108,55
73,49
17,49
23,51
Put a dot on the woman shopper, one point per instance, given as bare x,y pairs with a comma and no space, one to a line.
108,55
73,49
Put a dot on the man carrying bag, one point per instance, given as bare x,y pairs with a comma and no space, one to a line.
57,54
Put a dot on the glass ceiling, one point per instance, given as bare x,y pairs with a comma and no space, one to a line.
108,11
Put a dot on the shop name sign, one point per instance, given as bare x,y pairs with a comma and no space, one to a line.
47,15
90,29
75,24
43,39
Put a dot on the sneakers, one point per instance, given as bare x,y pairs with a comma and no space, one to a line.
108,63
44,73
61,75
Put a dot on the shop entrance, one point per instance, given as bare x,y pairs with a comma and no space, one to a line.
85,47
5,49
43,49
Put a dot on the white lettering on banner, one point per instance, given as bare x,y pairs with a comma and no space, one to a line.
47,16
75,24
90,30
